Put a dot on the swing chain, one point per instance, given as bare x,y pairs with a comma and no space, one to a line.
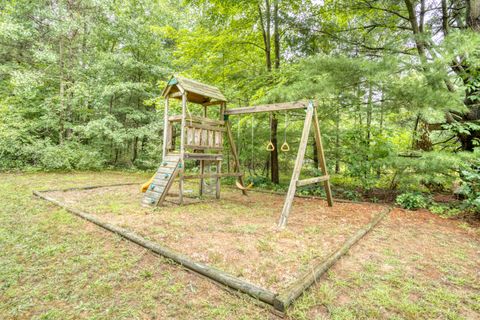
285,147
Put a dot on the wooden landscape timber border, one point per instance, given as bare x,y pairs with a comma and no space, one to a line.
296,289
205,270
279,301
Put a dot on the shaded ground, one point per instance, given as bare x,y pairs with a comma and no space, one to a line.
237,234
56,266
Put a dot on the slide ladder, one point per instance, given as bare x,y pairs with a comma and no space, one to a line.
162,181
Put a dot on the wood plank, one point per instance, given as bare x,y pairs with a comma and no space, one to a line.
287,206
161,182
165,129
182,147
202,120
268,108
203,156
168,186
198,147
233,149
321,157
175,94
205,126
201,88
212,103
213,175
306,182
217,187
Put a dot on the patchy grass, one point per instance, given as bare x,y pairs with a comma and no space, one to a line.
56,266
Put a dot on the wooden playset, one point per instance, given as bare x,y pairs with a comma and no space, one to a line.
202,137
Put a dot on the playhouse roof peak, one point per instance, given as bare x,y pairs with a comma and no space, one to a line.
196,92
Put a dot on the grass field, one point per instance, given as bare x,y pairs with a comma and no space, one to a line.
56,266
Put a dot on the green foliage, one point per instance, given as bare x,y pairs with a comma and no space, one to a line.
71,156
75,91
470,187
412,201
444,211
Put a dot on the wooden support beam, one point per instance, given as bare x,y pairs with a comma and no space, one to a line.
321,157
194,146
217,177
306,182
175,94
219,162
287,206
182,146
212,175
166,128
212,103
233,149
269,108
202,156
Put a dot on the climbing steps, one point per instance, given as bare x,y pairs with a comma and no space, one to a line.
162,181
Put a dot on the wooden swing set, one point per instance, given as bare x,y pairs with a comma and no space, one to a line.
201,139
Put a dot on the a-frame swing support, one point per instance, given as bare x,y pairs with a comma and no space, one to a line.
311,117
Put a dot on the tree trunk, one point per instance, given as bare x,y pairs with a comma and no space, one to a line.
276,34
135,145
265,25
62,91
337,141
274,173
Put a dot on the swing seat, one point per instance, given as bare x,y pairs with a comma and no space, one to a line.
239,186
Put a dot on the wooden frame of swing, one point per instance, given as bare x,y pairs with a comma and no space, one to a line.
191,91
311,117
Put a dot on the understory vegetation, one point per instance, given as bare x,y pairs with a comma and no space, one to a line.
397,85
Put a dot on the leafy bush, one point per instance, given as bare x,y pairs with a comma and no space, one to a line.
471,186
412,201
70,156
444,211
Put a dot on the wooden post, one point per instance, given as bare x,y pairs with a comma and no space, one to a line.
202,162
202,171
287,206
165,129
321,157
219,162
233,149
219,171
182,146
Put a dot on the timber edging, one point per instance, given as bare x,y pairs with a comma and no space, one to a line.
280,301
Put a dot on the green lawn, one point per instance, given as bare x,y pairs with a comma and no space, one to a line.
56,266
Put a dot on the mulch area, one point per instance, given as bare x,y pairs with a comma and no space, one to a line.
237,233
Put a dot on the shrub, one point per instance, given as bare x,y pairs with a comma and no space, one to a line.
70,156
471,186
412,201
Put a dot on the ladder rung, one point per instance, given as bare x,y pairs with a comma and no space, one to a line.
306,182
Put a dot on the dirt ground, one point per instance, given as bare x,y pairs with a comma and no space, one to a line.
238,233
